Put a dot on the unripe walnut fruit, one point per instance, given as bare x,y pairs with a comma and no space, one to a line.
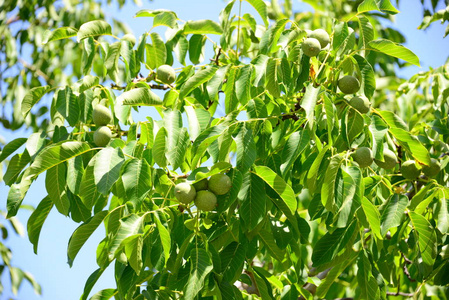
220,184
166,74
361,103
322,36
349,84
205,200
363,156
184,192
201,185
390,160
101,115
311,47
433,169
409,170
102,136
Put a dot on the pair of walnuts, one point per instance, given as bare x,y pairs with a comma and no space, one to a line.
204,192
409,169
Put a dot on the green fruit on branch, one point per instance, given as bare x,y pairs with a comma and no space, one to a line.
409,170
363,156
102,136
220,184
101,115
205,200
201,185
185,193
322,36
361,103
390,160
311,47
130,38
433,169
349,84
166,74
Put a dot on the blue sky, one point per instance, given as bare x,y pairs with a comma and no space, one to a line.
50,267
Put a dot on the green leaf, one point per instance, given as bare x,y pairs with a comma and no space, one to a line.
108,163
129,225
331,244
56,154
353,125
246,150
442,211
37,219
198,120
88,54
253,201
196,80
136,179
272,80
295,145
393,212
32,97
380,5
366,31
55,183
393,49
156,52
82,234
160,148
93,28
204,140
280,187
164,235
202,27
368,79
133,250
309,102
427,242
329,188
15,166
59,34
111,62
67,104
93,278
105,294
200,267
261,7
196,48
373,216
140,97
88,188
367,283
271,246
232,260
243,84
11,147
348,195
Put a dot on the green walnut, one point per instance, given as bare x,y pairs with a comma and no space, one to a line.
201,185
102,136
101,115
363,156
205,200
166,74
311,47
130,38
349,84
409,170
220,184
390,160
433,169
185,193
322,36
361,103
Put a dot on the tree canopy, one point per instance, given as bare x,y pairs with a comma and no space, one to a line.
291,164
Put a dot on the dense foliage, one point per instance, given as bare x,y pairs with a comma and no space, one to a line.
320,203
